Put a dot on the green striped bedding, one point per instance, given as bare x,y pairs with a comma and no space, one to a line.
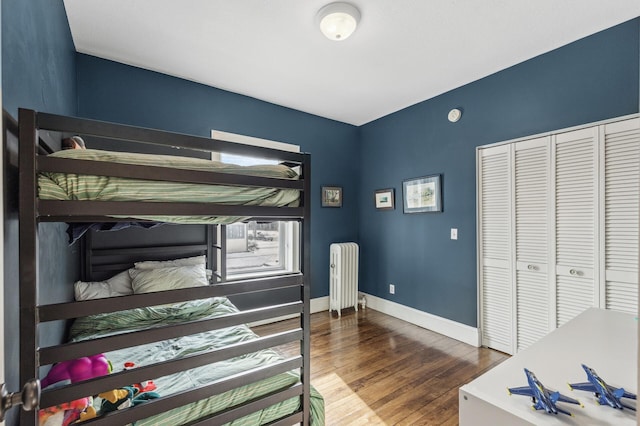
143,318
67,186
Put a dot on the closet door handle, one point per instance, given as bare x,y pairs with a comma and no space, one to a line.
29,398
532,267
574,272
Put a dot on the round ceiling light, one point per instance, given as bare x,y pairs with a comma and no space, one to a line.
338,20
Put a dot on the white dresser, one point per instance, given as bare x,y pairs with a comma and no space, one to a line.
604,340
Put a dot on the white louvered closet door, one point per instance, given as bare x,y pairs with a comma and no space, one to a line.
496,293
532,214
621,164
576,237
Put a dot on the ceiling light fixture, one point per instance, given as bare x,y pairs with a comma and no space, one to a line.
338,20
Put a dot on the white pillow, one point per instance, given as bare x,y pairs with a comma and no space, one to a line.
171,278
118,285
187,261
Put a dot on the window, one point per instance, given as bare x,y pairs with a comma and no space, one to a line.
255,249
252,248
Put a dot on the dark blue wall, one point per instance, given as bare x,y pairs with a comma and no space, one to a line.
592,79
114,92
38,71
38,57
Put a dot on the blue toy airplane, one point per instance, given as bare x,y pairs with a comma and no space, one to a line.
606,394
543,398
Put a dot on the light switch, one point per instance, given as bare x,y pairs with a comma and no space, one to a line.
454,233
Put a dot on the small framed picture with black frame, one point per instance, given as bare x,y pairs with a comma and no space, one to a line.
385,199
331,196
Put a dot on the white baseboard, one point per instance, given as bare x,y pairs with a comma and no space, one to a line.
318,304
453,329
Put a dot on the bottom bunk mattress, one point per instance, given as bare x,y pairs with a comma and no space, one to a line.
102,325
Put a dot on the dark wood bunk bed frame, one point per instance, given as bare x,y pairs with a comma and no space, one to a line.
33,210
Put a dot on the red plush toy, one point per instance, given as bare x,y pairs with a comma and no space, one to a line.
77,370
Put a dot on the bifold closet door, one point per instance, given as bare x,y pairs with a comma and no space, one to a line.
533,196
494,206
576,221
620,160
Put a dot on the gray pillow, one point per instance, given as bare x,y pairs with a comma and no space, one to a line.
187,261
171,278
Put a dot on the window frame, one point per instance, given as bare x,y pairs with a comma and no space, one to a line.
289,251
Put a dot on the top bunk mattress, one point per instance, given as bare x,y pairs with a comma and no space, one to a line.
70,186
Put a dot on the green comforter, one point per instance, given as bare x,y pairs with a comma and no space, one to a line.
143,318
68,186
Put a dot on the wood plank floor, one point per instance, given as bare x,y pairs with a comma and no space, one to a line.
373,369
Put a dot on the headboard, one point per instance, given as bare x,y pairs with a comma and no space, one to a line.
104,254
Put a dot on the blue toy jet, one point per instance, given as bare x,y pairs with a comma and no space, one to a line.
606,394
543,398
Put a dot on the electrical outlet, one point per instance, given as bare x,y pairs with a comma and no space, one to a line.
392,289
454,233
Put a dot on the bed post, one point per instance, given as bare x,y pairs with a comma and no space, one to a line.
306,291
28,254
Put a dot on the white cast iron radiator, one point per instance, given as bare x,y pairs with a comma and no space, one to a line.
343,276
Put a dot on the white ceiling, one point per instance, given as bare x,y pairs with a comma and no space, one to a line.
403,51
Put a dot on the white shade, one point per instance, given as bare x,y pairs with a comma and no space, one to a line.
338,20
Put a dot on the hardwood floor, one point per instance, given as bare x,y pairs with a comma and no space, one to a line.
373,369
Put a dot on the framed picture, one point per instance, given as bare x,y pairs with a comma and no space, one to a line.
423,194
385,199
331,196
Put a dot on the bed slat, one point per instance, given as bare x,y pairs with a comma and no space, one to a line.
61,209
165,174
156,137
69,310
250,407
68,351
149,372
289,420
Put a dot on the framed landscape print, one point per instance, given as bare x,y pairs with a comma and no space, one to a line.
385,199
423,194
331,196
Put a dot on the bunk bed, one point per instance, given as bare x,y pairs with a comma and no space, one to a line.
125,326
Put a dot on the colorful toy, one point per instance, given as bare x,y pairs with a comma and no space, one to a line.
144,397
119,399
144,386
543,398
77,370
88,414
76,406
606,394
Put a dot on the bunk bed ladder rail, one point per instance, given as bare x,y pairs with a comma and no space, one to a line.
28,254
305,319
